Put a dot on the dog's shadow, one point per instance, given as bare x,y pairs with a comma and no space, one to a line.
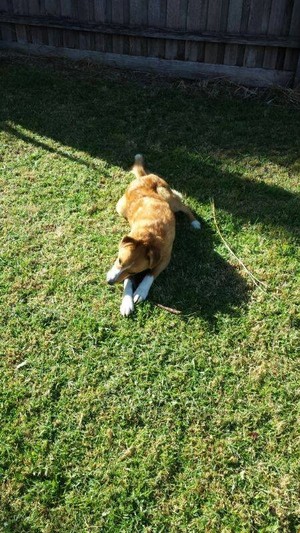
198,280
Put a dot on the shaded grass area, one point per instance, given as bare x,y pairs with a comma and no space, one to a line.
160,422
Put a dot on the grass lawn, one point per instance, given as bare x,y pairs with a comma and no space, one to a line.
159,422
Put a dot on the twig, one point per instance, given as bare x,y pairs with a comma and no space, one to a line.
255,280
169,309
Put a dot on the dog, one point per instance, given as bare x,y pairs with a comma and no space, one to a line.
149,205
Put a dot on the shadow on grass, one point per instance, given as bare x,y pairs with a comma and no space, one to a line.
181,135
198,280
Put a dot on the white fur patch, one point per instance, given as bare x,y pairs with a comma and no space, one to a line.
113,274
142,291
177,193
127,305
196,224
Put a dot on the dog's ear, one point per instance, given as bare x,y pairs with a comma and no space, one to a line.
153,255
128,241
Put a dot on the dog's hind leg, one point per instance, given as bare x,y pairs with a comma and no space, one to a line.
175,202
177,205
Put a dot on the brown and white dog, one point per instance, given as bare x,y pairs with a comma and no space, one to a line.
149,205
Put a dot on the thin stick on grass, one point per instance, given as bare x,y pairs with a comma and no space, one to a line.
169,309
255,280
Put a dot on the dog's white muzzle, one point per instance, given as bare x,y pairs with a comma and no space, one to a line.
113,275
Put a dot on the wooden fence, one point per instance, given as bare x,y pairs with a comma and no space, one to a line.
254,42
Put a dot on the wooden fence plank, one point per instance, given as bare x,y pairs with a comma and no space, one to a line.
55,36
280,59
83,13
274,28
243,29
234,16
66,8
223,29
99,17
52,7
117,11
91,10
291,58
36,8
4,6
8,32
183,25
84,41
279,23
154,13
217,15
134,20
259,11
69,10
99,10
20,7
194,22
138,17
202,27
173,21
295,19
233,26
156,47
296,81
71,39
254,16
108,39
270,56
212,24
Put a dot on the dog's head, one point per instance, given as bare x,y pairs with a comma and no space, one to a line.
134,257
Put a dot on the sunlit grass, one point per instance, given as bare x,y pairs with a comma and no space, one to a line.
161,422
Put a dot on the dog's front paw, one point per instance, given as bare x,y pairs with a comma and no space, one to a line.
127,305
140,295
142,291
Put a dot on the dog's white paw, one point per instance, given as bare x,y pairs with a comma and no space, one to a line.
143,289
127,305
196,224
140,295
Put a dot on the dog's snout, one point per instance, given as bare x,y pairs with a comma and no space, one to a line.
113,275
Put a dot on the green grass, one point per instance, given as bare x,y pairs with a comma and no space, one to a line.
158,423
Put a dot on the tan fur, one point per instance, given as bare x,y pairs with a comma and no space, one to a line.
149,205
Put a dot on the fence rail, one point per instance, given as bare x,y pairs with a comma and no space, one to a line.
256,42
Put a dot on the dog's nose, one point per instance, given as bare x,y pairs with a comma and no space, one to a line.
113,275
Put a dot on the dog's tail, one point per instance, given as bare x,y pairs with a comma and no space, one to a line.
138,168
